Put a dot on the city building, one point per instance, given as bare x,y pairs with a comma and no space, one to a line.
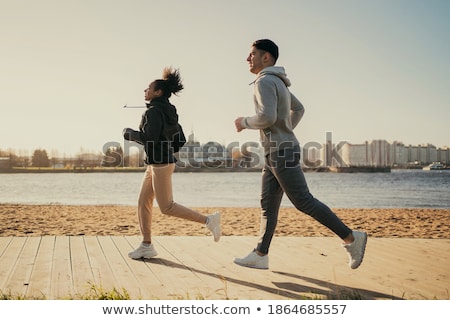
396,154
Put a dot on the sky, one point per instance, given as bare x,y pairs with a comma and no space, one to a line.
364,70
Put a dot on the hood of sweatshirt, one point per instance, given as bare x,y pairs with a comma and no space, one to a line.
165,107
277,71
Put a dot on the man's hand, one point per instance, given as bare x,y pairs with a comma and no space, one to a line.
238,124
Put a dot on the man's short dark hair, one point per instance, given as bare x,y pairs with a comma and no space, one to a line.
268,46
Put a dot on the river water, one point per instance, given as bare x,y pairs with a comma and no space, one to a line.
397,189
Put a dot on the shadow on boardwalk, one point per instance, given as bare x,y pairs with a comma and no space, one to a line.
289,290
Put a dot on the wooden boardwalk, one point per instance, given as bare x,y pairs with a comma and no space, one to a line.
64,267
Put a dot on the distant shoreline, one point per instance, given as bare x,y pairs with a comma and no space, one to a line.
119,170
82,169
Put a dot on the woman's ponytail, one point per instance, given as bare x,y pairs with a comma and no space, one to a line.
170,82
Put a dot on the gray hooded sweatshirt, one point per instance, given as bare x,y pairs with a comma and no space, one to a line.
278,111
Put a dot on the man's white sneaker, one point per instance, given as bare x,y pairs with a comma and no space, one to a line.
356,249
213,225
253,260
143,251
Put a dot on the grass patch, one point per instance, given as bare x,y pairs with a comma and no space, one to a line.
99,293
94,292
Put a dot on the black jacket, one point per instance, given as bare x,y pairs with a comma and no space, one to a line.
158,125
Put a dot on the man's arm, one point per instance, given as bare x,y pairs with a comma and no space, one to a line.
297,111
266,108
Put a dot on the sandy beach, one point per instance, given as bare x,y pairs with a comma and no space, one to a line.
40,220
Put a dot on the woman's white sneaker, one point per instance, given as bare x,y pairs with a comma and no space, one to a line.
143,251
213,225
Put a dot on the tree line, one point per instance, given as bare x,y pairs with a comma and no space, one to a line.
113,156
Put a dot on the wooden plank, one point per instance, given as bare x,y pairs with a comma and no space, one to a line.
173,274
239,282
290,253
61,278
124,276
307,266
101,270
426,280
180,269
149,282
8,262
203,281
167,271
39,283
235,281
4,243
20,276
413,276
213,263
248,283
82,274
